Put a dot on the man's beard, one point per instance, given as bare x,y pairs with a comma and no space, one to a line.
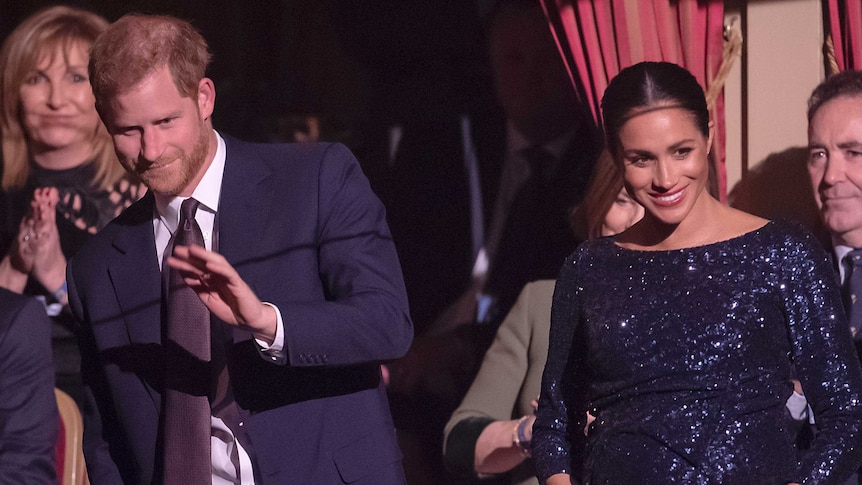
187,165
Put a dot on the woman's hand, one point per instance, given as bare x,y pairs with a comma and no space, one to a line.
559,479
49,264
23,250
497,450
15,267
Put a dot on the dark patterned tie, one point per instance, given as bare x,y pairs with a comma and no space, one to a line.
187,419
852,291
541,162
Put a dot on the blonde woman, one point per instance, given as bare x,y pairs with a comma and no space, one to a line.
61,179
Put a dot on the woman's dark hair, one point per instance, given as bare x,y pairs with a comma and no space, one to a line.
646,86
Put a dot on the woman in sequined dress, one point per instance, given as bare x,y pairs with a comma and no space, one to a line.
61,179
680,333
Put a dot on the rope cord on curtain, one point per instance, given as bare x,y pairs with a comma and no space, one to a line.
732,50
831,59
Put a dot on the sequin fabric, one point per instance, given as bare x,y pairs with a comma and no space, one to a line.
685,359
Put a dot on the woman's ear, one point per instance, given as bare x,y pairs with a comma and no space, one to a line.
711,127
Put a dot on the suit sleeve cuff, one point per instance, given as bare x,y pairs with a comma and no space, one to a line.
797,405
460,454
276,352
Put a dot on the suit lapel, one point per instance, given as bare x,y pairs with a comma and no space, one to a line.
245,205
247,199
136,277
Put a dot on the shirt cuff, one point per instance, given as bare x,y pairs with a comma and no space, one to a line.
276,352
798,406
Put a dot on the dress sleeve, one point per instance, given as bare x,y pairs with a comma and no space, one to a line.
825,360
558,437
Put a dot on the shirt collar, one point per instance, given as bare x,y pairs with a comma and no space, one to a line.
207,192
556,147
840,251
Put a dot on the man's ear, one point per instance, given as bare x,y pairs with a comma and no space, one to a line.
206,97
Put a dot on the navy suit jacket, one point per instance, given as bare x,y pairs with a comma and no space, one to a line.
28,408
303,229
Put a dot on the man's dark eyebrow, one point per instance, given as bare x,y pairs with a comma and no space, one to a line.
850,144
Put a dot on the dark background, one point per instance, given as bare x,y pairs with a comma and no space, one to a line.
348,62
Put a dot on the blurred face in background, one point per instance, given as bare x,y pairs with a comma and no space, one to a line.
623,213
57,106
531,82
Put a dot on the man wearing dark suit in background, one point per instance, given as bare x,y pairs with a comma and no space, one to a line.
299,275
551,145
544,157
28,408
835,168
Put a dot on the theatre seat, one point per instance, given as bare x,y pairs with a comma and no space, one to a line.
68,452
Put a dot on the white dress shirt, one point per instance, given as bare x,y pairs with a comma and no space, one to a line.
165,222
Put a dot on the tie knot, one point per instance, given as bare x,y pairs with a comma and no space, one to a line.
541,160
188,230
851,263
853,258
188,209
537,156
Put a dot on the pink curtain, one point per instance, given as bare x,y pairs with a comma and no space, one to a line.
845,29
597,38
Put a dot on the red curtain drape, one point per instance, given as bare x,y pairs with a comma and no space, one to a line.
845,30
597,38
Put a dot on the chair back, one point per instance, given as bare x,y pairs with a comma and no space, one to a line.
69,451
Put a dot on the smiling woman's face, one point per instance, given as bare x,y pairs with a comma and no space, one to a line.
664,155
57,106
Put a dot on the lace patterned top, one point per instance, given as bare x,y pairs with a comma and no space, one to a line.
82,209
685,358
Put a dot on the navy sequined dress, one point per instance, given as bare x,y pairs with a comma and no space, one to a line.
685,358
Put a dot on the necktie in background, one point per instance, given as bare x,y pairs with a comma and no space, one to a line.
187,414
512,263
852,291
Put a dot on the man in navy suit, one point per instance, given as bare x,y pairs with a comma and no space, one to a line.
299,274
835,164
28,408
835,169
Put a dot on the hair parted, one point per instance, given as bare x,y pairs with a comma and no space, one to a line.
137,45
845,83
647,86
50,32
